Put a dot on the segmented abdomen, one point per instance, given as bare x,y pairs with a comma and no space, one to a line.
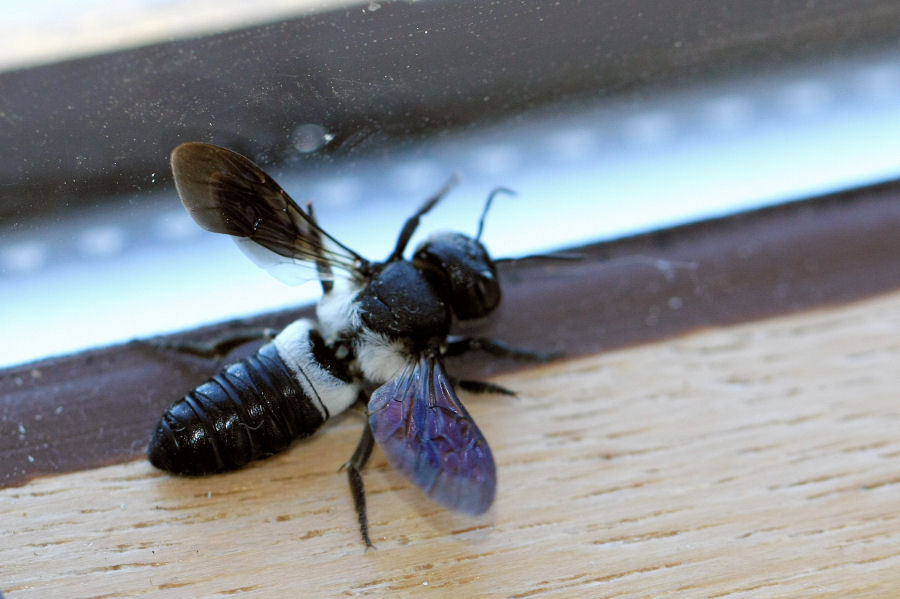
252,409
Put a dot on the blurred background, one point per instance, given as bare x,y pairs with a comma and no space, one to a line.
608,119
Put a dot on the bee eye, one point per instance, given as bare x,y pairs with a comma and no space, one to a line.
465,269
488,292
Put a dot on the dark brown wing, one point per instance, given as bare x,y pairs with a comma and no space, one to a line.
225,192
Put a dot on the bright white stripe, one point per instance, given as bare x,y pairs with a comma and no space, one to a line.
331,395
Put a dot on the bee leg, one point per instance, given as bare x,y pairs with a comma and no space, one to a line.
216,348
460,345
354,468
484,387
562,255
495,347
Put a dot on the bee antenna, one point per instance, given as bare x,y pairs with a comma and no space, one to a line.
487,205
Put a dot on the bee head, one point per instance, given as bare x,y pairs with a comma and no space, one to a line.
461,267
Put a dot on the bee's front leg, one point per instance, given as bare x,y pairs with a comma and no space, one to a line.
460,345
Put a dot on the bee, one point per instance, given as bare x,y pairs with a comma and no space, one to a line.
382,331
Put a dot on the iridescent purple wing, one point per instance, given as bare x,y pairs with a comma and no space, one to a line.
426,433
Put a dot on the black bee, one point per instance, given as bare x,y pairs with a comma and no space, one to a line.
381,325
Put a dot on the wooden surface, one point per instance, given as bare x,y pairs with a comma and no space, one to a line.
761,460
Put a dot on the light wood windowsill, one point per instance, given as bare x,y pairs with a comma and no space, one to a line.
752,460
739,442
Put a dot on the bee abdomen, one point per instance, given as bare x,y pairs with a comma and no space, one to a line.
252,409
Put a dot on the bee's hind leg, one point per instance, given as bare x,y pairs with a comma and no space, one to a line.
215,348
354,468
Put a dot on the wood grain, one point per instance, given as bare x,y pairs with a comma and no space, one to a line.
759,460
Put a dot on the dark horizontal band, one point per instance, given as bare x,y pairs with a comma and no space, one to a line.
99,407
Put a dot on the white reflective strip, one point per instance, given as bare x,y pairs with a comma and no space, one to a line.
330,395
